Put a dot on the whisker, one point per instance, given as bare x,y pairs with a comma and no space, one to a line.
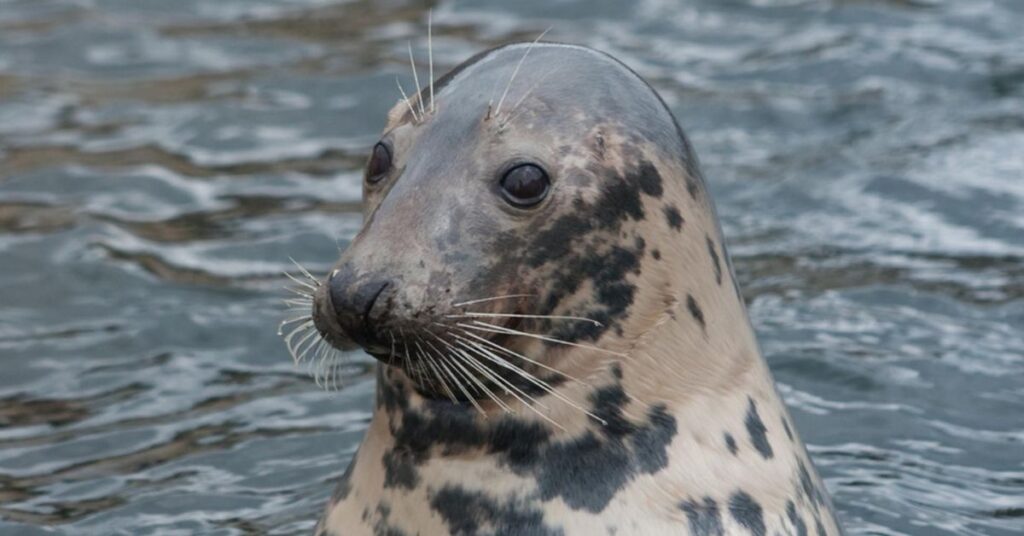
450,347
472,380
527,403
440,356
391,357
430,363
314,363
512,115
493,298
437,352
458,383
326,361
418,369
291,320
331,380
305,271
430,55
300,291
299,353
302,327
300,282
511,389
473,314
407,102
416,80
505,364
484,326
524,358
542,384
497,109
471,361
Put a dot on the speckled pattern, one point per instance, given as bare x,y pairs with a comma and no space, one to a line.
670,366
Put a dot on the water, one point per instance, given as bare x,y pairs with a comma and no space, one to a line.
160,161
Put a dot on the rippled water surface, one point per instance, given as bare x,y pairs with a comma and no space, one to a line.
161,160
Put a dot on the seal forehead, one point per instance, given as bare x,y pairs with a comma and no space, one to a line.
569,86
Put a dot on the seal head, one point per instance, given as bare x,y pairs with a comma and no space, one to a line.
564,349
520,196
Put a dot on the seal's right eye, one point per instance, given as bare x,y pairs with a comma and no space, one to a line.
525,185
380,163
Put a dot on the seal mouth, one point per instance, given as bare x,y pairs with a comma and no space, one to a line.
471,353
473,343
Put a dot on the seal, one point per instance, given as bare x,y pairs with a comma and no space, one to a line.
563,346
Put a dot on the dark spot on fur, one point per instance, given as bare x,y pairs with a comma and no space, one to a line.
390,395
730,443
656,254
443,424
399,470
695,311
612,293
757,430
469,513
819,528
797,521
451,429
747,512
647,176
674,218
619,201
519,441
590,244
785,426
617,371
808,485
608,403
704,517
715,263
382,527
587,471
650,443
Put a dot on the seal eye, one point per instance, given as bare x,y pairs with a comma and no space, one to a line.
525,185
379,165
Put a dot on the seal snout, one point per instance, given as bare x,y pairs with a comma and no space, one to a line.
356,301
354,306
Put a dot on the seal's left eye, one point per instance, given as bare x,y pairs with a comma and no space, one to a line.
380,163
525,185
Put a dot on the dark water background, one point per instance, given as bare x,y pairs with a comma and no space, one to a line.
161,160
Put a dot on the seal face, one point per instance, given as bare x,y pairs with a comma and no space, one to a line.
563,346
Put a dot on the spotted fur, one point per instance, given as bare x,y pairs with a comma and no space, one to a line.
679,429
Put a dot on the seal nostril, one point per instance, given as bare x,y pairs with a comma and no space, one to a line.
372,301
353,300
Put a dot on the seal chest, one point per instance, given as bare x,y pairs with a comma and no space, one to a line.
563,345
